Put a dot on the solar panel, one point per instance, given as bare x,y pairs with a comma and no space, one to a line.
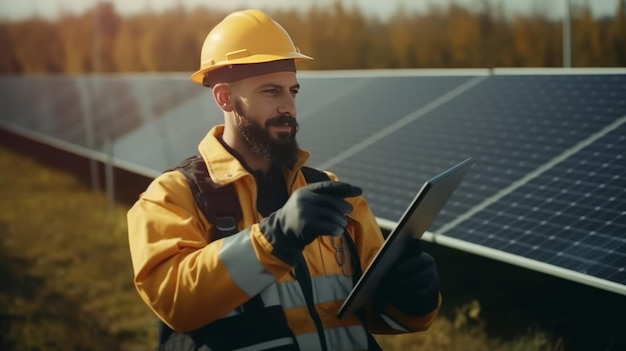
512,126
44,104
573,215
165,141
498,122
85,110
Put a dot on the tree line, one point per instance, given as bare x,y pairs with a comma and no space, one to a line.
337,36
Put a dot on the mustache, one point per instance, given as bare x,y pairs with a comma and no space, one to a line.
283,120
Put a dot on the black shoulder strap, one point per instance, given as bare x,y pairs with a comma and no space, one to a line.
219,204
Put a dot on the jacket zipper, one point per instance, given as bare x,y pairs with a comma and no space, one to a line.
304,279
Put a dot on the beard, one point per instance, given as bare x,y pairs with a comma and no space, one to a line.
282,150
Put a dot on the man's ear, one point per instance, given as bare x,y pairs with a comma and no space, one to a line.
222,96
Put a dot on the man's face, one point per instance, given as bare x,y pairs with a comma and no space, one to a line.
265,113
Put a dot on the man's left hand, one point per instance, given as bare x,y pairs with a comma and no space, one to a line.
412,284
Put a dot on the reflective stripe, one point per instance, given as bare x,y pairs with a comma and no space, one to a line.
393,324
286,294
309,341
237,254
331,288
325,289
267,345
270,296
349,338
290,294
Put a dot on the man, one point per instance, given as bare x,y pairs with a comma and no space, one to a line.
278,282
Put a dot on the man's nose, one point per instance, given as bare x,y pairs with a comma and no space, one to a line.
288,106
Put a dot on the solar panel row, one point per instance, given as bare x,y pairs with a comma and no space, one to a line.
548,183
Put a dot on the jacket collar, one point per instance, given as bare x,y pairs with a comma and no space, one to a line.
224,167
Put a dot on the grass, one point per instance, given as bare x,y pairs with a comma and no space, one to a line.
67,278
66,273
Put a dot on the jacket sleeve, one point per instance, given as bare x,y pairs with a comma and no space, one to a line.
187,280
368,240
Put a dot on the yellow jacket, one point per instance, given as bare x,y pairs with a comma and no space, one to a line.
190,280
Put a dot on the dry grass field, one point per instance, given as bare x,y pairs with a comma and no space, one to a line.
67,281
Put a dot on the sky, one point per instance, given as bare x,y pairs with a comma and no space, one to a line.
20,9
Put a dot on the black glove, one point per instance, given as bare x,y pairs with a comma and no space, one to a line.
412,284
313,210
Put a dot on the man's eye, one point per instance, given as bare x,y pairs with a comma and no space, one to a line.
294,92
270,91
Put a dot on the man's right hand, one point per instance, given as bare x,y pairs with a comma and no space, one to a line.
313,210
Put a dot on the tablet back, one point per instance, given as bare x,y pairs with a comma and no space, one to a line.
418,216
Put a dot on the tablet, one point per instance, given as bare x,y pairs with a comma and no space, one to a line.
419,215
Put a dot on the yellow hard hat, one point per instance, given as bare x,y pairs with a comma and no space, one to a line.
244,37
